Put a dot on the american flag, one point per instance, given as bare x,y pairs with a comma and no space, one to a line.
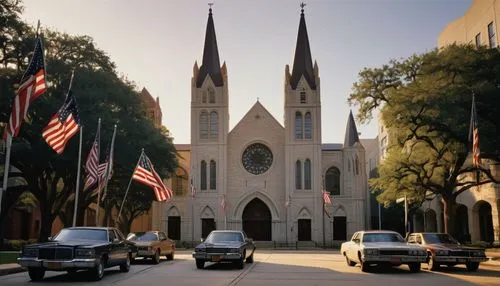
474,135
32,86
63,125
223,203
288,201
326,198
92,164
145,173
193,190
105,170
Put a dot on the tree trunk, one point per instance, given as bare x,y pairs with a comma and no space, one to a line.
449,214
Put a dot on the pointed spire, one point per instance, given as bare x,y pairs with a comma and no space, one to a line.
211,64
302,63
351,132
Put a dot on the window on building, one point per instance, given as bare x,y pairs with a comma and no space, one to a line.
174,227
203,175
214,124
298,125
357,165
307,174
213,175
298,175
203,97
203,125
332,181
211,95
491,35
308,126
303,97
478,40
179,182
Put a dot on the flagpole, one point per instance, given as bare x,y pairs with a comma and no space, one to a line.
6,168
286,220
192,211
77,192
323,221
110,163
128,187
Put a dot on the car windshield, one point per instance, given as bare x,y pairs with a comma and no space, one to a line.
382,237
146,236
82,234
217,237
439,238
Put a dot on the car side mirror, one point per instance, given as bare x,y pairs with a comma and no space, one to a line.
116,240
249,240
50,238
201,239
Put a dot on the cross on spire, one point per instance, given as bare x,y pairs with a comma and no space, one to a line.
302,5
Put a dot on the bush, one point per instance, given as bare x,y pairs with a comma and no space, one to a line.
17,244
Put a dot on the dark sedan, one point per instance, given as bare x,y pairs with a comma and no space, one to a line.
443,249
78,248
225,245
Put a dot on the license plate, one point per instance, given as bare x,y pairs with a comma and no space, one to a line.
395,260
216,258
461,260
53,265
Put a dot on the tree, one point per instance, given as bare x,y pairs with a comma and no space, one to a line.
425,104
100,93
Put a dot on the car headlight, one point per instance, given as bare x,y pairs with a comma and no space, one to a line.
234,250
199,250
84,252
370,251
442,252
30,252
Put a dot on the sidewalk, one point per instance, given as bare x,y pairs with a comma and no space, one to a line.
11,268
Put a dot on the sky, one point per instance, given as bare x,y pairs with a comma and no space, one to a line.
155,43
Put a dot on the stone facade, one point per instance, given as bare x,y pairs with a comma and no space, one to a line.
261,176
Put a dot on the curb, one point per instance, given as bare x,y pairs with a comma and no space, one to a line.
11,270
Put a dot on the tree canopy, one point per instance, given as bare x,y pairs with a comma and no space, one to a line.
425,105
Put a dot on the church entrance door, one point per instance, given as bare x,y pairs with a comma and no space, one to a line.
257,220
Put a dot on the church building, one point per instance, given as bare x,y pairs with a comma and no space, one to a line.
262,177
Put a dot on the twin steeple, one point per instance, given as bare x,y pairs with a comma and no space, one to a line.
351,132
302,62
211,63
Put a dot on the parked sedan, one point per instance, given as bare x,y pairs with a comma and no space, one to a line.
153,244
443,249
77,248
382,248
225,245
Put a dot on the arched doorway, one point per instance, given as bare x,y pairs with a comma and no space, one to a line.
485,222
462,224
257,220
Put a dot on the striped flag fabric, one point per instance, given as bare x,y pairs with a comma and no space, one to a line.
105,169
145,173
474,135
63,125
92,164
326,198
223,203
32,86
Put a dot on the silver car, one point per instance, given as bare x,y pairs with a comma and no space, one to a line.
382,248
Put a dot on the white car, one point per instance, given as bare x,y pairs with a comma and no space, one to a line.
382,247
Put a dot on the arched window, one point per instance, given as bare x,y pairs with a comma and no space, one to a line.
213,175
303,97
298,175
214,125
332,181
203,125
298,125
211,95
307,126
203,175
357,165
307,174
203,97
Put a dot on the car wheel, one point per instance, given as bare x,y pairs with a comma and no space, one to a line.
240,263
249,259
414,267
365,267
432,265
349,262
98,270
36,274
170,256
472,266
125,267
156,257
200,264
